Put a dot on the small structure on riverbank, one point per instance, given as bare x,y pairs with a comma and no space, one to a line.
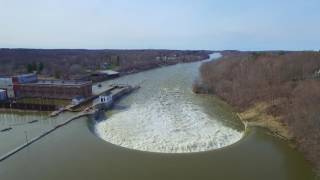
104,101
77,100
99,76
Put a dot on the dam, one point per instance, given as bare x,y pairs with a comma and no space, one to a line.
213,143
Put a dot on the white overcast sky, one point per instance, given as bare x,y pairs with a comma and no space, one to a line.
165,24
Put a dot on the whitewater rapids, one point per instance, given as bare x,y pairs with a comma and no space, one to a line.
163,125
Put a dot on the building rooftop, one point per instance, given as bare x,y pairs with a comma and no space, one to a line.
60,82
24,75
109,72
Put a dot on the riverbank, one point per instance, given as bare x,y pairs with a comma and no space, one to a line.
258,117
145,66
50,105
279,92
75,63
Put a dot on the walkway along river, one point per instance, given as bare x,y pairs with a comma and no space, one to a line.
182,148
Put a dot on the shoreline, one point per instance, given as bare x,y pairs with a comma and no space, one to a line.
276,91
257,117
135,71
125,73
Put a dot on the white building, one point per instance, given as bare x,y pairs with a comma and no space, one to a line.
104,101
7,84
3,95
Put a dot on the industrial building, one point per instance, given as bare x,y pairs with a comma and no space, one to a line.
28,86
9,84
25,78
6,84
3,95
55,89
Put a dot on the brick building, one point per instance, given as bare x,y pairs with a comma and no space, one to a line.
55,89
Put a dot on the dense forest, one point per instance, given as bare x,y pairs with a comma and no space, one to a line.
70,63
288,81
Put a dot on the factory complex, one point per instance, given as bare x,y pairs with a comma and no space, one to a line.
29,86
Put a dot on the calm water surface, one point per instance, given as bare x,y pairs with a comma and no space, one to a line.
162,131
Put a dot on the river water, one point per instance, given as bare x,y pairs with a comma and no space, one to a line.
166,116
161,131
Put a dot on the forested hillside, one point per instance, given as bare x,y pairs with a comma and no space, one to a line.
288,82
66,63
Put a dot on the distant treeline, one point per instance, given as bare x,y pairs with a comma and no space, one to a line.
69,63
288,81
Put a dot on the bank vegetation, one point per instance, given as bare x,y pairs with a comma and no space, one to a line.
75,63
276,90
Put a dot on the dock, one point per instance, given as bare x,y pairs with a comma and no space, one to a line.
116,90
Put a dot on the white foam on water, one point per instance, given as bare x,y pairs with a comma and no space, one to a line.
167,123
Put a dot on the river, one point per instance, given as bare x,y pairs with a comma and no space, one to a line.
161,131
